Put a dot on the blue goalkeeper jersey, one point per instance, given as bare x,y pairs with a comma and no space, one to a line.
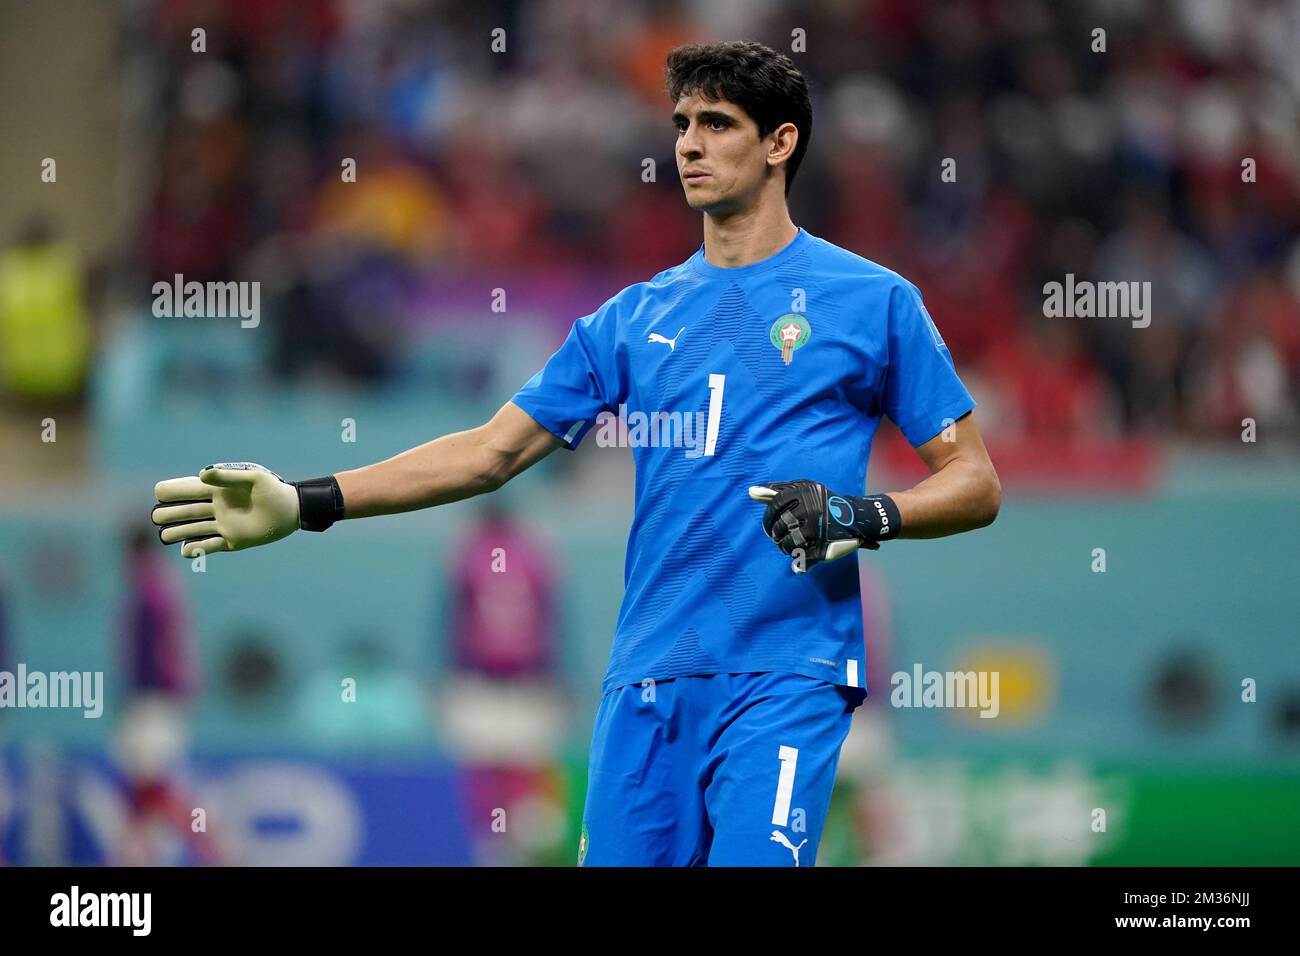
722,378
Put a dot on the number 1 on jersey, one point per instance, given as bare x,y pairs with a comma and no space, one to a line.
717,382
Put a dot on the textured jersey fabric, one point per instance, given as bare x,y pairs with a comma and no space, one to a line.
786,366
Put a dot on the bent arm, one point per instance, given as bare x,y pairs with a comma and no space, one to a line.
450,468
962,492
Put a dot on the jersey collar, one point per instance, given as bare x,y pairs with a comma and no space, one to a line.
706,268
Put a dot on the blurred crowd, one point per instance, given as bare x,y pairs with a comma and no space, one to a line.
1115,156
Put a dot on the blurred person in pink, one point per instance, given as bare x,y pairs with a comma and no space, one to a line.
159,683
502,710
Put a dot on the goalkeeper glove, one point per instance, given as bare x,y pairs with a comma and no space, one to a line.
236,505
804,516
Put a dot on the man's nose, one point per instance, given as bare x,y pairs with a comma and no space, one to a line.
689,145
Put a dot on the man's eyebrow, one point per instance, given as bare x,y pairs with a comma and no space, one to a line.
706,116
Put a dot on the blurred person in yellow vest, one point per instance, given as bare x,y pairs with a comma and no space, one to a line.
44,329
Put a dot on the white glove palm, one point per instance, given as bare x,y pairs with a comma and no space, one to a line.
226,507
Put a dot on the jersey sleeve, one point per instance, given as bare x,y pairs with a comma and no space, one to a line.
583,378
921,390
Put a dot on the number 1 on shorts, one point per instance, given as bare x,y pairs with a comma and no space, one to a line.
789,757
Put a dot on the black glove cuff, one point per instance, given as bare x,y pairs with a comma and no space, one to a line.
876,518
320,503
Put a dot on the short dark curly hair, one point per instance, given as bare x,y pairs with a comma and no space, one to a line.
762,82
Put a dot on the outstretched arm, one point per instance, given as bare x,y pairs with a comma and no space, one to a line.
455,466
236,505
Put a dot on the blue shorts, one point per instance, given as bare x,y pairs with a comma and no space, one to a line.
716,770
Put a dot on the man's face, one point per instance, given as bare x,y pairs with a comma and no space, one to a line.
721,160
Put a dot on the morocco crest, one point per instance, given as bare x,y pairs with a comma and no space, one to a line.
790,332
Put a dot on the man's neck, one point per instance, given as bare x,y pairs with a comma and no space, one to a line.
748,237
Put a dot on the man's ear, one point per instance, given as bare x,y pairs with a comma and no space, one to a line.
784,140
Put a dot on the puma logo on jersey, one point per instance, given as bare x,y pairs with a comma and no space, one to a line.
671,343
779,837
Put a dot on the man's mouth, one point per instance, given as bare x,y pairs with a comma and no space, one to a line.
694,177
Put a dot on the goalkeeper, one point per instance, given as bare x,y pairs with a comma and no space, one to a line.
731,681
